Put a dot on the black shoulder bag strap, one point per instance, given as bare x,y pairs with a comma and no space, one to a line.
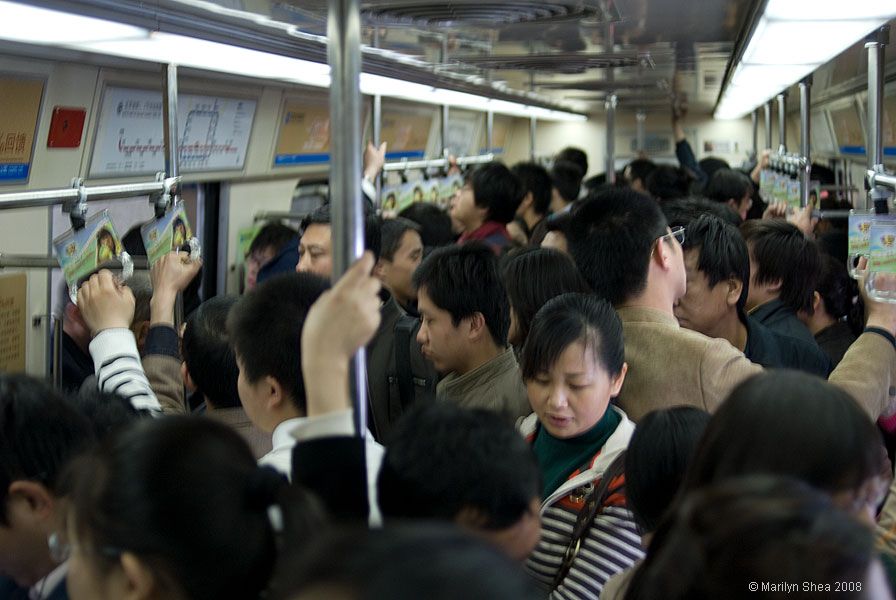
594,500
404,327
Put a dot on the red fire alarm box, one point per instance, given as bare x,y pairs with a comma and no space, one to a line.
66,127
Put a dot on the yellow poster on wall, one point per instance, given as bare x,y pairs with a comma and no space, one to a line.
406,133
13,311
304,135
20,102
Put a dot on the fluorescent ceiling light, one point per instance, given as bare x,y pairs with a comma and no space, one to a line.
33,25
792,39
28,24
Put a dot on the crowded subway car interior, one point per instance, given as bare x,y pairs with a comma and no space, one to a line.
393,299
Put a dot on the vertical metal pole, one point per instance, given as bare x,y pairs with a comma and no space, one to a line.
806,170
876,44
641,118
377,135
169,114
782,123
768,124
445,115
755,118
610,105
489,131
344,56
533,127
172,155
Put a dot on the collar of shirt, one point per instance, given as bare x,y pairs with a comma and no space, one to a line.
43,588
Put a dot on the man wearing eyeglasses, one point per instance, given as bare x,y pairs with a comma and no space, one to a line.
624,248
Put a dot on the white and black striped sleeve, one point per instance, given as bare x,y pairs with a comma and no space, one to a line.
119,370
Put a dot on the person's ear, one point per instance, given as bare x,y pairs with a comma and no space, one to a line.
526,203
139,580
735,289
275,395
616,382
187,379
476,326
379,269
37,498
816,302
775,286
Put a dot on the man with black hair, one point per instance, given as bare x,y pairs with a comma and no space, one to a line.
402,252
275,249
628,255
566,182
434,222
637,172
680,213
315,244
784,269
466,317
41,433
487,202
535,204
718,279
574,155
666,182
265,328
209,368
732,188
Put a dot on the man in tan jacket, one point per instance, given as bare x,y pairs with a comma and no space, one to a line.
465,317
628,254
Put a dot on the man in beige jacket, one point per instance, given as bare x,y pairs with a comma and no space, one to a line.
628,254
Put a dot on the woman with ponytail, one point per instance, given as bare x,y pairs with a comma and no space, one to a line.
177,509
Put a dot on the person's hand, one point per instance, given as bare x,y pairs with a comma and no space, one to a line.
803,219
170,275
878,314
453,168
374,159
762,162
775,210
105,303
341,321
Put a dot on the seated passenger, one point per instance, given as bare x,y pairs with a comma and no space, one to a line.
836,309
535,204
718,277
763,533
486,203
628,255
654,465
401,253
731,188
274,250
533,276
210,369
573,365
177,508
418,561
784,269
41,433
465,317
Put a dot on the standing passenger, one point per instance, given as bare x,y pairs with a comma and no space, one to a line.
573,365
535,205
486,203
466,316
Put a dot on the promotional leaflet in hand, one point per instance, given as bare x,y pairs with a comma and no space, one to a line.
81,252
161,236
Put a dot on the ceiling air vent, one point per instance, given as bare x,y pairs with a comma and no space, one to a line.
567,62
480,13
603,86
